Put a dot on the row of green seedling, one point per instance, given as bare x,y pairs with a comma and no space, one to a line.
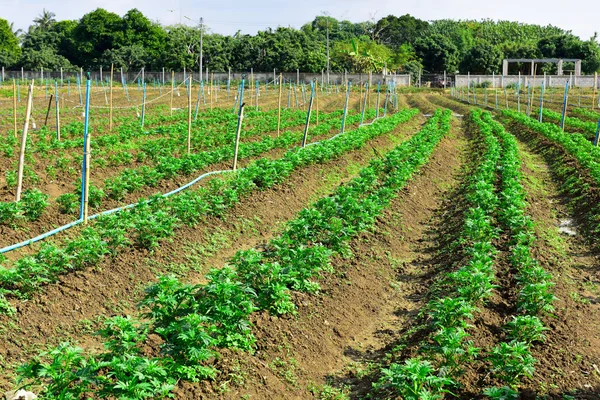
447,347
195,321
587,129
512,359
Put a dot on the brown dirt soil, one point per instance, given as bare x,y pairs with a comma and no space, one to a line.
364,305
73,308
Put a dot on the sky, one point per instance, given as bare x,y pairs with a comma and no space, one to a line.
229,16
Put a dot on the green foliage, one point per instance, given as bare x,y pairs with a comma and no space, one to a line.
502,393
33,204
511,361
414,380
9,44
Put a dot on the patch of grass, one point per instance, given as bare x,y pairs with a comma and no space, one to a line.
328,392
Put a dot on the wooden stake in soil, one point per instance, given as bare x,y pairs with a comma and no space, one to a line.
189,138
110,118
279,103
24,141
15,107
48,110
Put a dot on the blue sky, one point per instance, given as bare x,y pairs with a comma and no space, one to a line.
228,16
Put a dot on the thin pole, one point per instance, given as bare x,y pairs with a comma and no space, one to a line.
189,136
279,103
378,94
110,118
597,134
317,99
307,120
542,102
15,107
143,103
172,90
57,102
594,92
565,102
48,110
24,141
345,109
239,127
362,117
86,153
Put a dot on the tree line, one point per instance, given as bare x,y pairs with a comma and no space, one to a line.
402,44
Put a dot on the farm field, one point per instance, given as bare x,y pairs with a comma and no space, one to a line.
435,249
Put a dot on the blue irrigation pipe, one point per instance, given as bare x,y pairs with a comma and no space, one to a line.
84,165
564,112
129,206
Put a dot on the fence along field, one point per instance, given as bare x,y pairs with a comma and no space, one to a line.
459,343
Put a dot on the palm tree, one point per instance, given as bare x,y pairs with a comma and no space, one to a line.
17,32
45,20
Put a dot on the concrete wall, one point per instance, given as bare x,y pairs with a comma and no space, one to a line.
526,80
262,77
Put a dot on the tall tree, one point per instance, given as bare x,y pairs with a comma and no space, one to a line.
9,45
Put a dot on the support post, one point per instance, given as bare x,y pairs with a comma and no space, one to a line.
57,103
24,141
345,108
279,104
238,131
565,103
110,120
597,134
48,110
15,107
189,135
86,153
172,91
307,119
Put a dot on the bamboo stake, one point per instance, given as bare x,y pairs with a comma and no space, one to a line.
279,103
24,141
189,138
237,137
15,107
307,121
110,120
172,90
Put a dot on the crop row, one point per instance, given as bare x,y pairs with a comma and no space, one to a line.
152,221
588,129
511,359
574,144
447,347
194,321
